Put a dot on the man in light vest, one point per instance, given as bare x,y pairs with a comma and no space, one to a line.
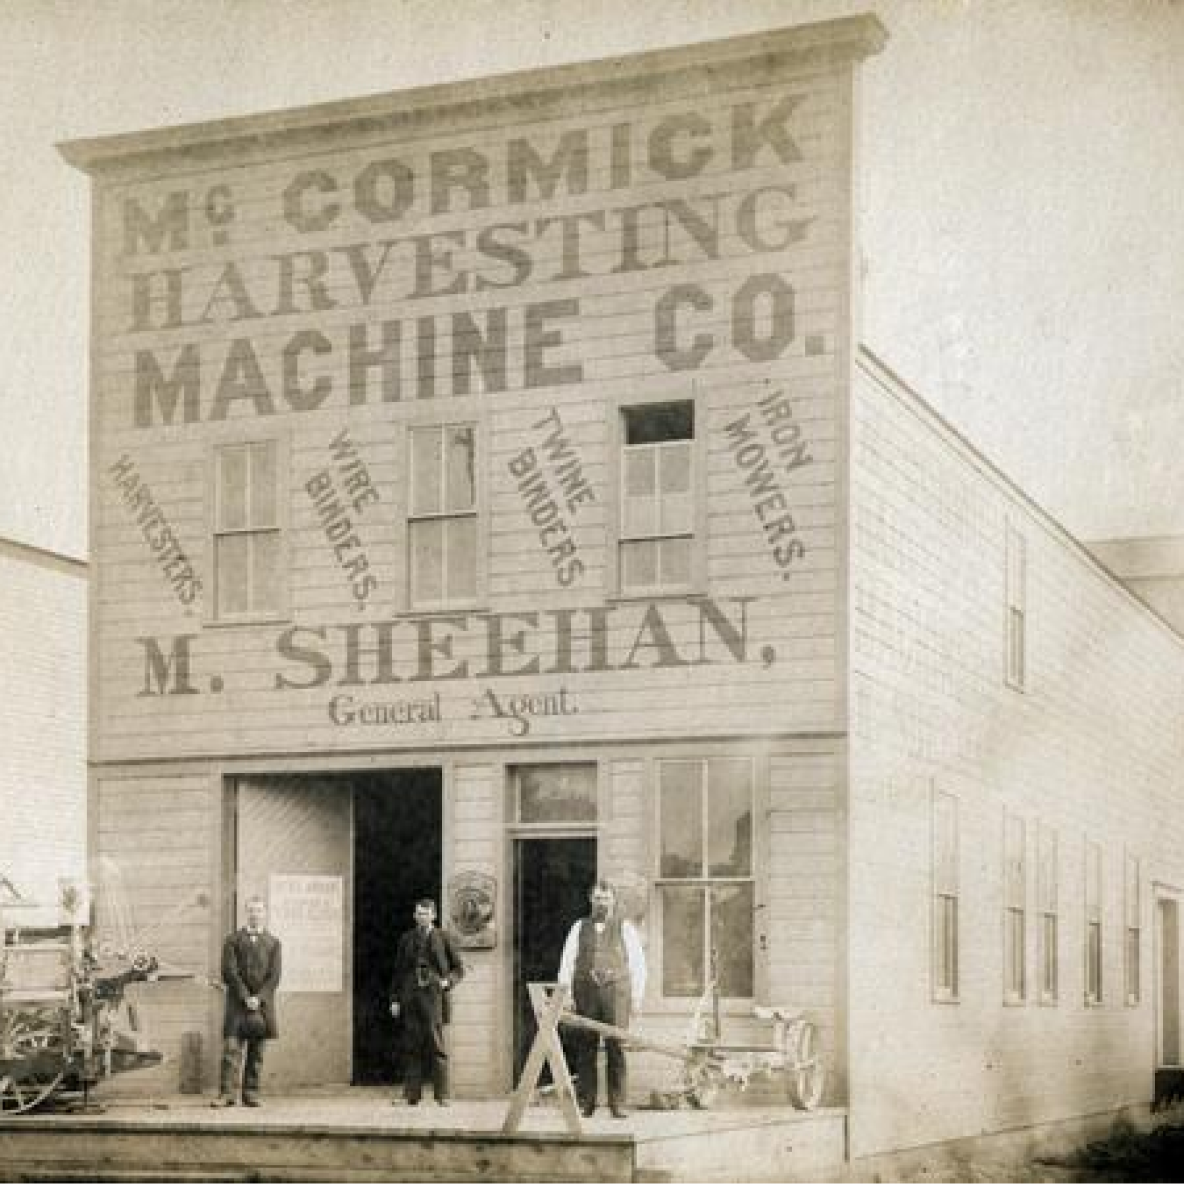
603,967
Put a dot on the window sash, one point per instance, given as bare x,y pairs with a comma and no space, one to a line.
1049,957
442,470
442,522
443,560
1093,962
707,889
944,859
1015,972
665,509
945,946
247,539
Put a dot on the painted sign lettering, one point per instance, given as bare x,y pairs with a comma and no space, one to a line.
767,449
334,491
187,376
551,483
162,541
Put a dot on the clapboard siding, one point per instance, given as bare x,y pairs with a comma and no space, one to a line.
613,339
475,823
1091,748
156,889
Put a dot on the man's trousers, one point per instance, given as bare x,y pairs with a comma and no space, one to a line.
609,1004
233,1048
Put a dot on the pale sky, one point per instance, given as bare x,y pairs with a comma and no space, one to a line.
1022,200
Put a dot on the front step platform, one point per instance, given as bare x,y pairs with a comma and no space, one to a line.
358,1135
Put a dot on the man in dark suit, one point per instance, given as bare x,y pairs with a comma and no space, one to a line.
251,963
427,967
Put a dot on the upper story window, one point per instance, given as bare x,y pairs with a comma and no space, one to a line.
705,875
247,535
442,523
945,897
657,497
1016,656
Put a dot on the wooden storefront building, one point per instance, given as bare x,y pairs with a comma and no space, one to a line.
488,494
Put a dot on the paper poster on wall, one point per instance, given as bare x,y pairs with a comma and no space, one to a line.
307,915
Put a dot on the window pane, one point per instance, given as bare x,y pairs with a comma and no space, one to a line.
426,470
675,567
681,806
640,472
639,517
232,488
1093,962
230,563
654,423
639,565
731,938
461,572
263,508
675,468
729,817
556,793
265,570
461,470
426,540
1015,953
945,940
682,940
1048,956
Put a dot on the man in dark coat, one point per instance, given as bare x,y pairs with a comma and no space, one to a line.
603,966
251,964
427,967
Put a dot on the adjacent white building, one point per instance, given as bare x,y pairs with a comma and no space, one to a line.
42,720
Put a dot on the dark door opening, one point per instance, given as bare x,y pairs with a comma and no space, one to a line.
551,881
397,860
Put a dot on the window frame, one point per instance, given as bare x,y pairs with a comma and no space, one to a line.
1094,992
526,827
476,514
280,443
1132,912
1047,909
707,881
1015,909
614,566
943,955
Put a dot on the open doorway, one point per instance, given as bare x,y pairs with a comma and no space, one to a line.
551,881
397,860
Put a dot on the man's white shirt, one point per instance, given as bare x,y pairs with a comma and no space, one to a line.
634,957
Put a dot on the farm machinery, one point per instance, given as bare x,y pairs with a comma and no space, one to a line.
65,1020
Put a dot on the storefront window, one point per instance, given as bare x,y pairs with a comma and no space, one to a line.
705,876
556,793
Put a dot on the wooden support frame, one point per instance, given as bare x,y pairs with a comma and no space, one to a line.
546,1049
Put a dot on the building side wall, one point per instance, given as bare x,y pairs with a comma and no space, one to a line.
42,726
1090,748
